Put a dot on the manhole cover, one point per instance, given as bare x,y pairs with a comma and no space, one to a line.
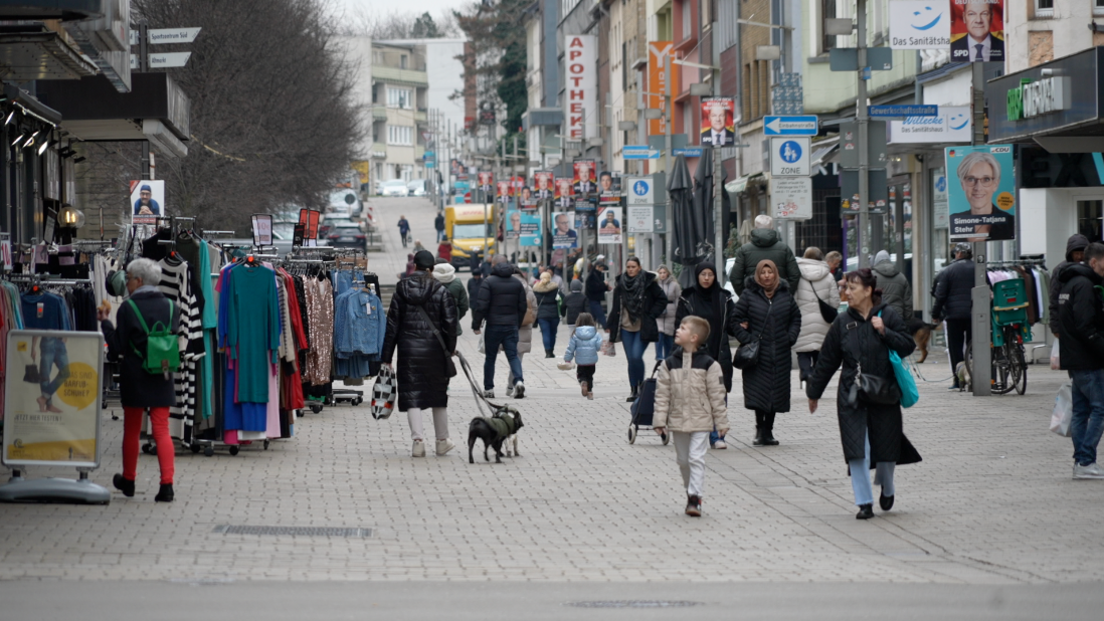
294,531
633,603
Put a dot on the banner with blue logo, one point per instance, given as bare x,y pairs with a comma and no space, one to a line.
919,25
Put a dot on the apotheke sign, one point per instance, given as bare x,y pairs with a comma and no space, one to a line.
1037,98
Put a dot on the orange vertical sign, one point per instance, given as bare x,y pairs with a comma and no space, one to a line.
657,81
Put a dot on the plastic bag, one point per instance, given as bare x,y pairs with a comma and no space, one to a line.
1063,410
1055,362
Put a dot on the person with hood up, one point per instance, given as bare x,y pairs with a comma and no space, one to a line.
637,302
1081,341
765,244
954,302
502,304
445,274
667,324
422,373
896,290
575,303
767,313
547,294
1075,253
586,342
817,285
596,289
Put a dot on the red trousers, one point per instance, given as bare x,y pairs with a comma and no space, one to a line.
132,432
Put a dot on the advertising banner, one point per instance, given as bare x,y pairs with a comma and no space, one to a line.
584,220
940,214
581,71
717,126
952,124
530,228
542,184
52,401
609,189
526,200
657,81
563,230
585,180
262,229
147,199
564,193
919,25
977,31
609,225
982,193
513,223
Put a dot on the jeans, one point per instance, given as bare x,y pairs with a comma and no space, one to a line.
959,333
507,337
634,351
132,431
548,332
599,313
806,360
690,449
1088,414
664,346
860,477
53,353
440,236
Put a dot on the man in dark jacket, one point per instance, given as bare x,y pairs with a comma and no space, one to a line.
953,303
502,303
1075,253
439,224
765,244
474,285
596,289
1081,338
896,290
574,303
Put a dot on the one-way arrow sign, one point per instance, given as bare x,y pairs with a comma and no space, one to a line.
791,125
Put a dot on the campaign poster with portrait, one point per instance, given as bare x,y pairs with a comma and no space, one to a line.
609,188
526,200
609,225
977,31
516,183
585,178
503,191
52,403
982,193
564,193
147,201
563,230
542,184
513,223
486,181
718,128
584,220
530,228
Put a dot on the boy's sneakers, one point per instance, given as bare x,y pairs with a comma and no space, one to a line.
519,390
1091,471
586,389
693,506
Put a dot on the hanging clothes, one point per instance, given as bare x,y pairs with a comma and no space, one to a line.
359,328
249,333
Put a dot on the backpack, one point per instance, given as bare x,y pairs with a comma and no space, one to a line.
162,346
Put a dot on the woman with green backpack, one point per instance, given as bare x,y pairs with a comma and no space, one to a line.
146,340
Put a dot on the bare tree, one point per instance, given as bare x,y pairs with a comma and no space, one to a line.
394,24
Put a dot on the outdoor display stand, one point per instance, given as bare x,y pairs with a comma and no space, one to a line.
53,423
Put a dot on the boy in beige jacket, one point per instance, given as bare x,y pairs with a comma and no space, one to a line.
690,401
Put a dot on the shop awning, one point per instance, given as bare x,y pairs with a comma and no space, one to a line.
740,185
824,152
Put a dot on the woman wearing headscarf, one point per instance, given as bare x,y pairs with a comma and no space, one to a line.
709,300
637,302
667,323
767,312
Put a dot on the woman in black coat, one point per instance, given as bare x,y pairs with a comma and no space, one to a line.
548,297
422,369
637,301
767,312
709,300
871,433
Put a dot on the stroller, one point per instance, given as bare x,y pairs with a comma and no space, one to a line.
643,409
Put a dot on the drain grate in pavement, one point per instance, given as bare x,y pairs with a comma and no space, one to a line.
294,531
633,603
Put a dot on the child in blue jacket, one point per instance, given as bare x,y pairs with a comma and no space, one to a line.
586,342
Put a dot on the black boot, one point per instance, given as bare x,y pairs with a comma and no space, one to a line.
548,354
768,429
865,511
123,485
166,493
634,395
758,441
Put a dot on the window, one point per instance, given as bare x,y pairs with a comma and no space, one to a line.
686,23
399,98
1045,8
1098,7
827,11
402,61
400,135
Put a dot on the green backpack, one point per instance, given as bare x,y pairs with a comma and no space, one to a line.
162,347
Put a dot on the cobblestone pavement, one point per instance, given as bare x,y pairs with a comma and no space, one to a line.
992,503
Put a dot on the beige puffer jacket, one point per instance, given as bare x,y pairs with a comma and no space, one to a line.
690,393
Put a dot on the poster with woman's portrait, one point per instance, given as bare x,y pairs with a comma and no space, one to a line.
609,188
982,193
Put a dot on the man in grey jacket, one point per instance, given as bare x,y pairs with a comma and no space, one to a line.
765,244
896,290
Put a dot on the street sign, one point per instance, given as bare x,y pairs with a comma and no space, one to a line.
641,219
430,164
639,153
792,197
687,152
429,155
158,36
790,125
902,111
163,60
789,157
641,190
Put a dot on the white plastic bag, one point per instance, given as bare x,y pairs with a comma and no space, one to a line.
1063,411
1055,362
385,393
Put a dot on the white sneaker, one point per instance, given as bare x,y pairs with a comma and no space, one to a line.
509,391
519,390
1091,471
418,450
444,446
720,444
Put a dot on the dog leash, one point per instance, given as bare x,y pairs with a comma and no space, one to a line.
480,400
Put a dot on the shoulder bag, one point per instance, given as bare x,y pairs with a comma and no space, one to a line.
871,388
828,313
747,354
450,366
905,382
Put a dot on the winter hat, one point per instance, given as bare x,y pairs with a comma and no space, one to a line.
444,273
577,286
423,260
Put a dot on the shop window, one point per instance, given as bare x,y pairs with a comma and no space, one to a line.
1089,214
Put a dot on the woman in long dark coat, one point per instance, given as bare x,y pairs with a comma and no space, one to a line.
422,368
871,434
637,301
767,312
709,300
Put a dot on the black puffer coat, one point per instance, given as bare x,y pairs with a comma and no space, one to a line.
852,340
654,306
708,305
421,372
501,300
767,384
953,291
1076,241
1080,319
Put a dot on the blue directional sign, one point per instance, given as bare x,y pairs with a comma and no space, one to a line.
791,125
902,111
688,152
639,153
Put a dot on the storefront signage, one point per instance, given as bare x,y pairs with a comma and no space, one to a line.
952,124
1078,76
919,25
581,71
1040,97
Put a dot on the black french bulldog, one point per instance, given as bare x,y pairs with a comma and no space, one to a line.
494,432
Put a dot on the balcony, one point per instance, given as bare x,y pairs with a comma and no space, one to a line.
379,151
400,77
379,112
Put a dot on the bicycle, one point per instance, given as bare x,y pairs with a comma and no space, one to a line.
1009,322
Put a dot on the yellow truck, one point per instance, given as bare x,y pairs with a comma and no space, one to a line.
470,228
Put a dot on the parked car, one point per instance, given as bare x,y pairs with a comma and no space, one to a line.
416,187
395,187
333,222
346,235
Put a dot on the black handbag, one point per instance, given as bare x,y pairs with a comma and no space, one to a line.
30,374
450,366
826,311
643,409
871,388
747,354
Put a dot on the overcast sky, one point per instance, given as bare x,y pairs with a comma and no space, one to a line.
435,7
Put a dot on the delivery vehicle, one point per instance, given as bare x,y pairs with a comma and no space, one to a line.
470,228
